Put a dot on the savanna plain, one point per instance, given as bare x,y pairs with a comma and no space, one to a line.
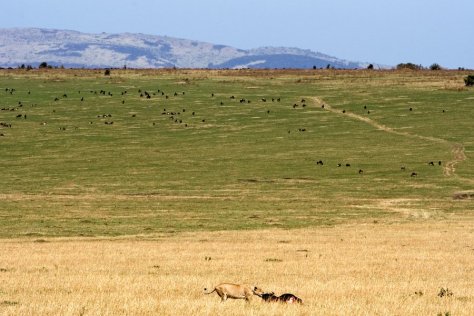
129,193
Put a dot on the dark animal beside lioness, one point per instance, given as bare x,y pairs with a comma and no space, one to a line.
287,298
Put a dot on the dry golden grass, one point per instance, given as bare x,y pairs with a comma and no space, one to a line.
356,269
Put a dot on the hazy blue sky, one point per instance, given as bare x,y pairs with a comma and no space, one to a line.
379,31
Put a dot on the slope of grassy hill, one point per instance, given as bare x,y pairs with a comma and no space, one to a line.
142,152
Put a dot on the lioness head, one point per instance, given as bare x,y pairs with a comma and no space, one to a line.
257,291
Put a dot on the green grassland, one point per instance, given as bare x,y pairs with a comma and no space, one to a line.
187,160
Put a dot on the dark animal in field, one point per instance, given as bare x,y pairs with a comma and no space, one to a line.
286,298
361,171
235,291
431,163
348,164
413,174
439,163
402,168
343,111
320,162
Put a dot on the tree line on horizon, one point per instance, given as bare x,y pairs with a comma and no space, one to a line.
400,66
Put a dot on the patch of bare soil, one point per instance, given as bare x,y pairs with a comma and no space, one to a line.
463,195
458,156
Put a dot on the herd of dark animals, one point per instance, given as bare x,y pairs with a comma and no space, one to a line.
174,116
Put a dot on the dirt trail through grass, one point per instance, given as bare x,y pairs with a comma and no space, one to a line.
448,168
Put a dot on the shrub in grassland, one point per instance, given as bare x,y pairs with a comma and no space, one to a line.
469,80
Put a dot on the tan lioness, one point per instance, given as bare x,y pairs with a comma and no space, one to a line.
235,291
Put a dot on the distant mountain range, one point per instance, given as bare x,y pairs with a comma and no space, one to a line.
72,49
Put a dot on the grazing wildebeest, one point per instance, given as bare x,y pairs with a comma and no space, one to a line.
235,291
287,298
413,174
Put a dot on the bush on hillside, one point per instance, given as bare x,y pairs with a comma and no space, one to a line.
469,80
409,66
